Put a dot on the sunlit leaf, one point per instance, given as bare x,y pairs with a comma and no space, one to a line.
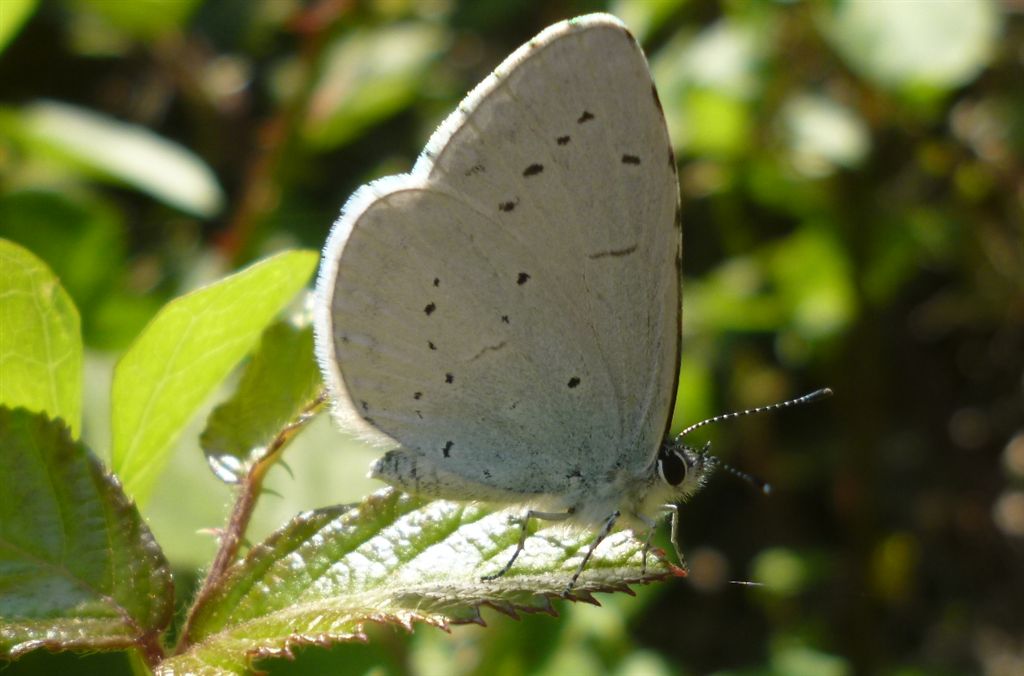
280,381
78,567
189,347
13,15
40,339
126,153
368,76
394,559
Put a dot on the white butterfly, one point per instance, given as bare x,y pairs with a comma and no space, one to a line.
508,313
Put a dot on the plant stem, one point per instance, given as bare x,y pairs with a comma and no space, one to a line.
245,503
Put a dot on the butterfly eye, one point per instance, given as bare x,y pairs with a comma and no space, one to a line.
671,467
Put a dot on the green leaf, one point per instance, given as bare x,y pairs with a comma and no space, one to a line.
367,76
395,559
127,153
78,567
41,341
13,17
184,353
280,382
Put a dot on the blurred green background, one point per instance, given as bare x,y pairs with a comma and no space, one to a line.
853,189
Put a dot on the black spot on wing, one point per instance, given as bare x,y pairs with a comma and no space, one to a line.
533,169
429,309
417,395
587,116
573,382
437,282
523,278
431,345
475,169
613,253
447,448
630,159
366,407
449,378
509,205
562,140
504,318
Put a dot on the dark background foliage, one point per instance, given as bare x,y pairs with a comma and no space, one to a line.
853,187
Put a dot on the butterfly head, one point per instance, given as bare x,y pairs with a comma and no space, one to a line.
683,467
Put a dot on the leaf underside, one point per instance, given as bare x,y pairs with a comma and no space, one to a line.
278,383
397,559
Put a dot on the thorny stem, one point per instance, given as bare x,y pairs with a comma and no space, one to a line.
245,503
150,651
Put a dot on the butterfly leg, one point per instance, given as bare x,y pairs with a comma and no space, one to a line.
675,536
605,530
523,532
652,526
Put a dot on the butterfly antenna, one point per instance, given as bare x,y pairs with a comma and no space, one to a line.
806,399
760,484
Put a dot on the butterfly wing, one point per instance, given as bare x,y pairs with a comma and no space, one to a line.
510,309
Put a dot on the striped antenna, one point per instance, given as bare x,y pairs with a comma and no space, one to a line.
759,484
763,486
806,399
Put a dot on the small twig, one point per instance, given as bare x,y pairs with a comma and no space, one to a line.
233,534
150,650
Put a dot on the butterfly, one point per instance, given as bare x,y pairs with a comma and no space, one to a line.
506,317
